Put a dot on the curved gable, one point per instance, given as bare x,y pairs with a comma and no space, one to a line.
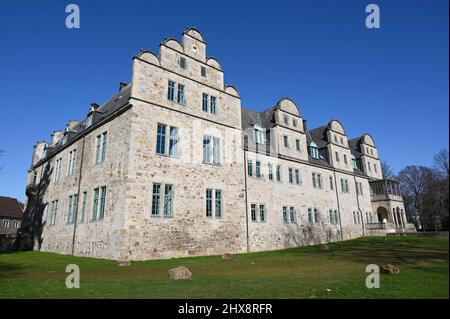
336,126
287,105
195,33
149,57
214,63
231,90
174,44
367,139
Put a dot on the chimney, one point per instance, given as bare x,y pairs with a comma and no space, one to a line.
122,85
56,136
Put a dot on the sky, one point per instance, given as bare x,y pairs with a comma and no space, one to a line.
391,82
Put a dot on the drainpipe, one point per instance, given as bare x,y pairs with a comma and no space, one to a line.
246,198
78,196
359,208
338,204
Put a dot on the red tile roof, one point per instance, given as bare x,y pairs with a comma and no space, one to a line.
10,207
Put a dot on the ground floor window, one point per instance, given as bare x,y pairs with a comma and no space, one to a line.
214,203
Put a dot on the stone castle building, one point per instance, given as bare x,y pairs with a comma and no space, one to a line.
173,165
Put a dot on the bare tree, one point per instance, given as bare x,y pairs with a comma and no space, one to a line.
441,163
387,170
413,185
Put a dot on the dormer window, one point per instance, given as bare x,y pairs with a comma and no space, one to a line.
314,151
259,134
44,152
64,139
354,164
88,121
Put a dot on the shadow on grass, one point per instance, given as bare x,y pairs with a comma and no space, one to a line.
383,251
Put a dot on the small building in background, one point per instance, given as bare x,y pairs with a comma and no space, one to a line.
11,213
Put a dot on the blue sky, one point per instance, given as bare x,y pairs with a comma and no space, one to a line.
391,82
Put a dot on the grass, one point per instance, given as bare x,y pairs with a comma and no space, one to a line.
305,272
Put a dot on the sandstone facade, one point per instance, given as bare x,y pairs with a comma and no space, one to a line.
173,165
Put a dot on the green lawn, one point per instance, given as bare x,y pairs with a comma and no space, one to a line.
292,273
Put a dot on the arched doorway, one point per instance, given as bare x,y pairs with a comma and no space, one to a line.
383,215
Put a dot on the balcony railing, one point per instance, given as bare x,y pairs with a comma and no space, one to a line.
385,187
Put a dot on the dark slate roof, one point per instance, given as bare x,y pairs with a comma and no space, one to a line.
355,147
264,118
119,100
10,207
319,136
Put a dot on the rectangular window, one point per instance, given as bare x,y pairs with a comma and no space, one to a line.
346,186
83,207
253,212
319,181
310,216
342,140
104,138
345,159
156,199
250,168
331,217
297,177
337,156
293,215
206,149
259,136
173,142
314,180
211,150
183,63
101,214
336,217
161,139
216,150
218,204
262,213
286,141
213,105
270,168
95,204
331,183
291,176
297,145
375,168
171,91
100,148
58,169
316,215
286,120
205,99
203,71
278,172
209,194
72,209
71,164
168,200
180,96
54,212
285,214
258,169
294,123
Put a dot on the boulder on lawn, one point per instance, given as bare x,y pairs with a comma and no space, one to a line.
389,269
324,247
124,263
227,256
180,273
